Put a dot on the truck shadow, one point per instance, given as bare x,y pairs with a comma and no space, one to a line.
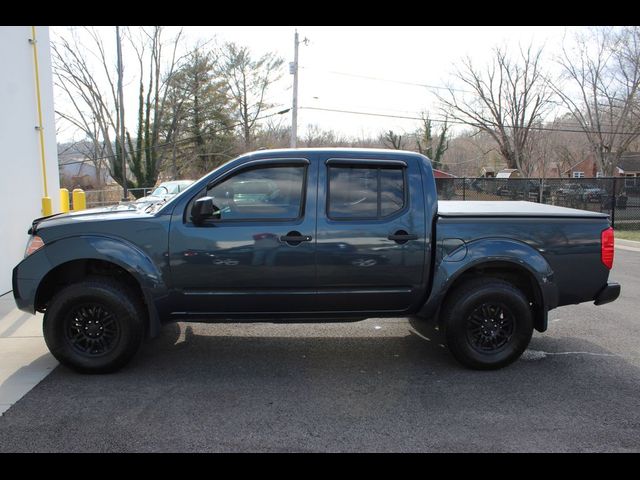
204,387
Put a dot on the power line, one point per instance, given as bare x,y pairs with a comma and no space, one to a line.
379,79
457,122
437,87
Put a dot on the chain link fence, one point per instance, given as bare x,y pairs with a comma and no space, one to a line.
619,197
113,195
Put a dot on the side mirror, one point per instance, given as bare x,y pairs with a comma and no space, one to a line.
204,208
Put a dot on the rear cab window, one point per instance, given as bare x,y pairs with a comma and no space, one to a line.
357,191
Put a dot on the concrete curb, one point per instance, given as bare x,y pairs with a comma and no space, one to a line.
628,243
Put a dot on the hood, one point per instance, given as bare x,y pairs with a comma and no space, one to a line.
114,212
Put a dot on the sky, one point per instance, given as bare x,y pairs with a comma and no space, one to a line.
335,61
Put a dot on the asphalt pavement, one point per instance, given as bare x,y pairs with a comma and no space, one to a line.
379,385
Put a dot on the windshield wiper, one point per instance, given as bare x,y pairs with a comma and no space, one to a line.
149,208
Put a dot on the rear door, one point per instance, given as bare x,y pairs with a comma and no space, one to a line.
371,246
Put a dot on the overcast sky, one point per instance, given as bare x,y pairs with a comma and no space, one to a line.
336,58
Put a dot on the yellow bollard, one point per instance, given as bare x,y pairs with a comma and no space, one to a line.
79,199
64,200
46,206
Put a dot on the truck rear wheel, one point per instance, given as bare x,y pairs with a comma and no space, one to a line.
488,323
95,326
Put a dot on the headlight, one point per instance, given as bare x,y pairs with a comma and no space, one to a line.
34,244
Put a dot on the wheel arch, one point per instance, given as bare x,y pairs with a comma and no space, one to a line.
506,259
513,273
72,259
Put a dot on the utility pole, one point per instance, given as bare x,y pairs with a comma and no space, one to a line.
293,68
125,194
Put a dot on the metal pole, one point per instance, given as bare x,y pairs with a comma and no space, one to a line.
613,203
46,200
121,115
293,68
464,187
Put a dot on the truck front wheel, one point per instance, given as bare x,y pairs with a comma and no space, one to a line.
95,326
488,323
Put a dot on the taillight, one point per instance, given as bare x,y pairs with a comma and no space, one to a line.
34,244
606,247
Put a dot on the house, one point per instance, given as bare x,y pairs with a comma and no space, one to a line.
76,172
585,168
629,167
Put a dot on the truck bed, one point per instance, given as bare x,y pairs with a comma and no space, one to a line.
457,208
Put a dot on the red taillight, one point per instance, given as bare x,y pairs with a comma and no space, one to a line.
35,243
606,252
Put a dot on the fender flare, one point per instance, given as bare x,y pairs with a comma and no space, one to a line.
449,267
114,250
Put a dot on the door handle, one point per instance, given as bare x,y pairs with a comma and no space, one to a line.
294,238
402,237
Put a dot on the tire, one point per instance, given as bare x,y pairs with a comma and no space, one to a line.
488,323
95,326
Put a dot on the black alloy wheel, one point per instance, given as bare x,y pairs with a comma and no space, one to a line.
490,327
92,329
488,323
96,325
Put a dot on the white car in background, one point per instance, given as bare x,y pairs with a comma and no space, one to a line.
164,192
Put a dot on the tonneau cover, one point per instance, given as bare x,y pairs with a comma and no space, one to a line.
457,208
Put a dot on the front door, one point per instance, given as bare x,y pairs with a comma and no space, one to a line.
259,255
372,243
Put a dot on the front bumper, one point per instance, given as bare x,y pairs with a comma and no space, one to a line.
24,292
608,294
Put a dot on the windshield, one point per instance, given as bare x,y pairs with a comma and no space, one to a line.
166,188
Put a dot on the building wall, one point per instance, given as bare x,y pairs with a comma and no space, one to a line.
21,182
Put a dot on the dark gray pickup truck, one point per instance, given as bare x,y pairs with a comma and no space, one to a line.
311,235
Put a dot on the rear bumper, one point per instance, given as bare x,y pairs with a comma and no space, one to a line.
608,294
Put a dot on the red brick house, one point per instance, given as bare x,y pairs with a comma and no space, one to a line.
587,168
629,166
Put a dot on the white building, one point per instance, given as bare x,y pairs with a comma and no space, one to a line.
21,172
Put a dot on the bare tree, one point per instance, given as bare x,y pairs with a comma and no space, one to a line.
248,81
601,73
392,140
505,100
94,101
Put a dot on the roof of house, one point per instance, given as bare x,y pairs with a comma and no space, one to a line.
508,173
585,163
630,162
440,174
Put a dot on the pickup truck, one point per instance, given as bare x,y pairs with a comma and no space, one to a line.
328,235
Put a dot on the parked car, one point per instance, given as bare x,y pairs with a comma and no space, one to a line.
342,234
524,189
592,193
164,192
581,192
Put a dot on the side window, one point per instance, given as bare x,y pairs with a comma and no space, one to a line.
365,192
266,193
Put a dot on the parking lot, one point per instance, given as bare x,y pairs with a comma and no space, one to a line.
378,385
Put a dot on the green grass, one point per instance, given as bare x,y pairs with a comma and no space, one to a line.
628,234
